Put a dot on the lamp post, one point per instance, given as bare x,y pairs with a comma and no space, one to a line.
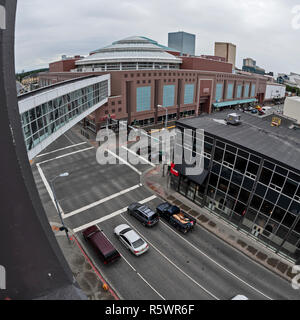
159,106
65,174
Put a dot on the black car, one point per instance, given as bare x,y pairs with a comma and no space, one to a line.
144,214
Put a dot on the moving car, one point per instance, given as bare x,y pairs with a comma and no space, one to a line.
101,244
144,214
176,217
131,239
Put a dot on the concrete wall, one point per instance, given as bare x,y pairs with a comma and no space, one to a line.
292,108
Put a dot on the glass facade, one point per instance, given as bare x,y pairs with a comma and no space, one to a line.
219,91
256,195
40,122
143,99
246,92
253,90
229,91
189,93
239,91
168,96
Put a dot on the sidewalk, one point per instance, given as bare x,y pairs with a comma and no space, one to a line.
255,250
87,276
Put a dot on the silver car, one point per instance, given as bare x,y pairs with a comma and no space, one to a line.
131,239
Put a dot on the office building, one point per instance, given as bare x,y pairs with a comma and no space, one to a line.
227,51
183,42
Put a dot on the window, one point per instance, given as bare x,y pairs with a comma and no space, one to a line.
189,93
143,99
168,96
253,90
219,91
239,91
230,91
246,92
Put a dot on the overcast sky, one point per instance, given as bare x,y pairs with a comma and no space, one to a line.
267,30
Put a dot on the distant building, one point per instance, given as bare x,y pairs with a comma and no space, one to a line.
183,42
66,64
293,79
227,51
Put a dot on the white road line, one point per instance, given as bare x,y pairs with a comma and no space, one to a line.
215,262
94,204
125,162
110,216
48,188
57,150
68,138
143,159
178,268
66,155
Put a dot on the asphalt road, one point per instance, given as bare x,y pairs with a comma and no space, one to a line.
196,266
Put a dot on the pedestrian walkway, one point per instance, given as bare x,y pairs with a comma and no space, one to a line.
158,182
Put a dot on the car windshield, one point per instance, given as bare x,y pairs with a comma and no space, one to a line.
138,243
125,230
154,216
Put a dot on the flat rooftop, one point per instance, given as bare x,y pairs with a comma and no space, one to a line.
254,133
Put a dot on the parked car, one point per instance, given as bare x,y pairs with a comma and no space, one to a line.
144,214
176,217
101,244
254,111
239,297
131,239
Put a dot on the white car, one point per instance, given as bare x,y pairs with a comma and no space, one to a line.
240,297
131,239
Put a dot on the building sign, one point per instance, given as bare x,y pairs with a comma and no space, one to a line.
2,18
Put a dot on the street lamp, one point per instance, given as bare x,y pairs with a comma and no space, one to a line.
159,106
65,174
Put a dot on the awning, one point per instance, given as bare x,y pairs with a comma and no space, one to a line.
199,179
232,103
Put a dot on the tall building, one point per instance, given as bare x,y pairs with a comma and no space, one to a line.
227,51
249,65
182,41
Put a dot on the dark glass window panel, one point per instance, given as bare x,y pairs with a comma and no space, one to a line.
237,178
208,139
267,208
216,168
284,202
272,196
208,148
252,168
297,228
255,159
213,180
33,127
248,184
278,180
206,163
260,190
281,170
289,219
32,114
295,208
223,185
243,154
231,148
226,173
256,202
290,188
278,214
218,155
265,176
233,190
269,165
220,144
240,208
244,196
38,111
294,177
240,164
282,232
229,157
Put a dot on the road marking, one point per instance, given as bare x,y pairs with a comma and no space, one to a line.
125,162
178,268
215,262
68,138
71,146
143,159
158,130
110,216
94,204
66,155
48,188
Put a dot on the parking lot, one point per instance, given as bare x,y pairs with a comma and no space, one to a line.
195,266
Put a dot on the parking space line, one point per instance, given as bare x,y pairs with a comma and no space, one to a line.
125,162
143,159
173,264
57,150
94,204
110,216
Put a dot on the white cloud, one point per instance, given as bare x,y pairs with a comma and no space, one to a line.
260,29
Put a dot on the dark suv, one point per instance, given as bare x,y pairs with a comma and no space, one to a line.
144,214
